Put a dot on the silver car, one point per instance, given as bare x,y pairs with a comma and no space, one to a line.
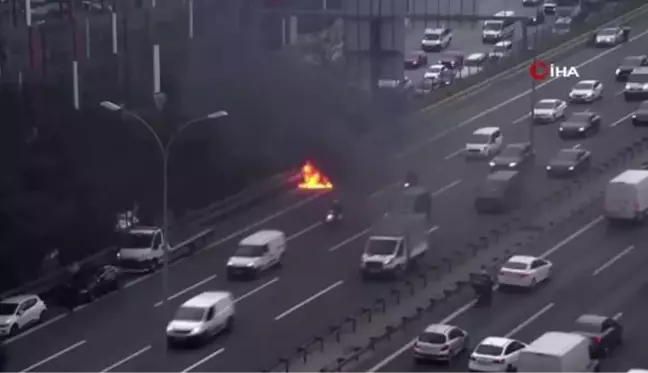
440,342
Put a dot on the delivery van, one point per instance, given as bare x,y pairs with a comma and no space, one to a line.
626,196
558,352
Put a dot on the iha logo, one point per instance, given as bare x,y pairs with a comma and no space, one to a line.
540,70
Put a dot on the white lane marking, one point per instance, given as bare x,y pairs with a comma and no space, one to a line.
528,321
416,147
571,237
617,316
350,239
621,120
522,118
305,230
607,264
126,359
256,290
461,310
308,300
382,190
54,356
454,154
203,360
447,187
576,146
187,289
433,229
34,329
408,346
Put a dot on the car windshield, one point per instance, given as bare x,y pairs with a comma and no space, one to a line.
7,309
381,247
543,105
478,138
474,62
608,32
433,338
250,251
137,240
189,314
588,327
515,265
500,48
493,26
631,61
584,86
435,69
489,350
566,155
511,151
579,118
432,36
638,78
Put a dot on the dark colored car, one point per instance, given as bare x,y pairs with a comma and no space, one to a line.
416,60
605,333
568,162
640,116
500,192
580,125
89,283
513,157
628,64
452,61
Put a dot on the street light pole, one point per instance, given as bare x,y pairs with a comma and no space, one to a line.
164,149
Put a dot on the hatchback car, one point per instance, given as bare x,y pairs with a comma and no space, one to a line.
440,342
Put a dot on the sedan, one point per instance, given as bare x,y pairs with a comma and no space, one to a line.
439,73
628,65
640,116
416,60
605,333
549,110
586,91
496,354
440,342
611,36
524,271
580,125
568,162
90,283
513,157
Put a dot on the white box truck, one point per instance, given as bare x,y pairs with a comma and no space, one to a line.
395,242
558,352
626,196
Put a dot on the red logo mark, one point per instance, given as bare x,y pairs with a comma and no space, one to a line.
539,70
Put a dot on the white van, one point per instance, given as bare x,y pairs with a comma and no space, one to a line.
201,317
626,196
558,352
256,253
495,30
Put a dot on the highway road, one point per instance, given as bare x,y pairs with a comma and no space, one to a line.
597,270
319,284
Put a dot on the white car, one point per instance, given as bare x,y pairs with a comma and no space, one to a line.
586,91
549,110
501,49
436,39
496,354
524,271
19,312
609,36
485,142
435,72
473,64
440,342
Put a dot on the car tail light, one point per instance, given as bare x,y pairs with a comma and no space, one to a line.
596,340
444,347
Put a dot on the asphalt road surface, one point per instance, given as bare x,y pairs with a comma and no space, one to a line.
319,283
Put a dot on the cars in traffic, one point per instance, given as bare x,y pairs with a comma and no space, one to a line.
19,312
501,49
636,86
586,91
439,73
201,318
549,110
513,157
501,192
454,62
496,30
473,64
416,60
558,352
549,6
628,65
626,197
440,342
496,354
436,39
524,271
89,283
611,36
640,116
140,249
256,253
562,25
484,142
569,162
605,333
580,124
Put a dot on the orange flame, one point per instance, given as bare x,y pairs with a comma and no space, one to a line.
313,179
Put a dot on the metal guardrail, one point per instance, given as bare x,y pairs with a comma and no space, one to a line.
426,276
215,212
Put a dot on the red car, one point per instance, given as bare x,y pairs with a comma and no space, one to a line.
416,60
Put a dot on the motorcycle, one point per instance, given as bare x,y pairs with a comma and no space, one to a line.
483,287
332,217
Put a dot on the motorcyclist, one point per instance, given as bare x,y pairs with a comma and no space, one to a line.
336,209
484,287
411,179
